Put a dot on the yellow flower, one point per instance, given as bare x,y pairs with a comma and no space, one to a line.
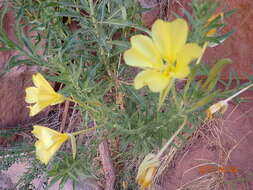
42,95
164,56
49,142
147,171
220,106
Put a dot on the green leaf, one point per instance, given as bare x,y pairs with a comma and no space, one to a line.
125,23
215,72
191,78
219,39
229,13
63,181
73,145
124,44
73,176
164,94
204,101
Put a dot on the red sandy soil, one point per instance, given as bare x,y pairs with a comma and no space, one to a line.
234,143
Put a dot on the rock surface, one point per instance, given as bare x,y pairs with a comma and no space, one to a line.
5,182
18,169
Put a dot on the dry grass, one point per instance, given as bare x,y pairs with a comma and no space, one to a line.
209,134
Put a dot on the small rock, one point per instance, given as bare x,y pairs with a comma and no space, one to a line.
84,184
5,182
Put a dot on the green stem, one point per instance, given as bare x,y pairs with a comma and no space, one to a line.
97,31
174,95
160,153
202,53
92,14
81,104
85,131
186,88
164,94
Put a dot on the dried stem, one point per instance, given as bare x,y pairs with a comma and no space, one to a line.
108,168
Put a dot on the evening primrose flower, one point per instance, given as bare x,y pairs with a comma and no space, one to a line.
42,95
164,56
147,171
49,142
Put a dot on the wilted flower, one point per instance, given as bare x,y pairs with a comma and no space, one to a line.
42,95
223,105
213,31
164,56
220,106
49,142
147,171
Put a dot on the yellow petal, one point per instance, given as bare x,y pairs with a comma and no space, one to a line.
155,80
42,153
160,36
43,95
31,95
181,71
145,46
35,109
188,53
170,37
45,133
49,142
40,82
185,56
134,58
49,98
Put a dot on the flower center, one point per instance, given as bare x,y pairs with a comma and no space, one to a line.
167,67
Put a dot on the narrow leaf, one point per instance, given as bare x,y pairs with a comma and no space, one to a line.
204,101
215,71
73,145
123,23
164,94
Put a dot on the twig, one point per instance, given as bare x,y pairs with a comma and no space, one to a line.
108,168
72,120
64,116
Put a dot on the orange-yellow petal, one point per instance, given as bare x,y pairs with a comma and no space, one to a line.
147,170
146,180
214,30
220,106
